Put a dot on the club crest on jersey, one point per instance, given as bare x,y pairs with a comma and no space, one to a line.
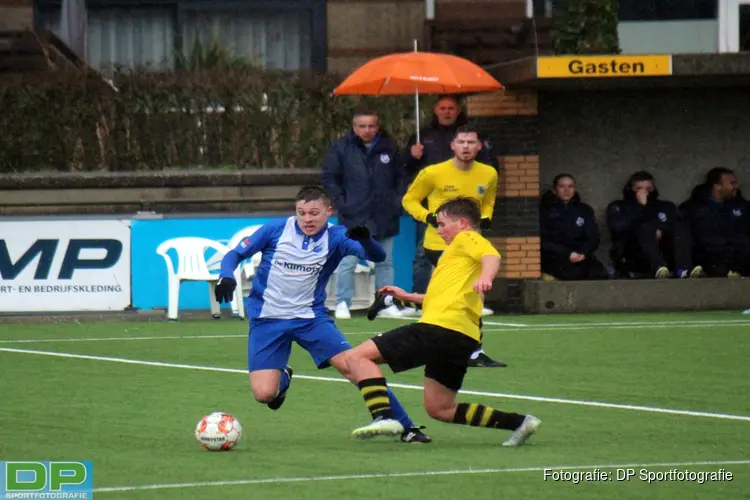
481,189
384,158
580,221
737,212
662,217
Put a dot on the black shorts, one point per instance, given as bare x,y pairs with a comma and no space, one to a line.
444,353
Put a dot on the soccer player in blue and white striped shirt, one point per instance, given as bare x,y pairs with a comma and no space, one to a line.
287,302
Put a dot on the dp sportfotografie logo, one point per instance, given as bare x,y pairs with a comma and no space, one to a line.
48,479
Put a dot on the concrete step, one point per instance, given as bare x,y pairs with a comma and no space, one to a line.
646,295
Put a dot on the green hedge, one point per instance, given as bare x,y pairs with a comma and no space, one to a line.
155,121
587,27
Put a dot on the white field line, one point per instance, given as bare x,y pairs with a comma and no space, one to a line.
598,404
455,472
108,339
144,338
499,323
545,328
697,322
527,328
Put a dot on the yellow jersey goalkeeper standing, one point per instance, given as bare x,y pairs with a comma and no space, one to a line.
461,176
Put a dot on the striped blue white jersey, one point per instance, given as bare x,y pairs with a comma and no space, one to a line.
291,280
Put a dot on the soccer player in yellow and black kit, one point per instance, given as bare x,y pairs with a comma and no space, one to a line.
462,175
443,339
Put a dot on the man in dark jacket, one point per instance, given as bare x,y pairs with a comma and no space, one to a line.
569,234
364,174
435,147
649,236
720,223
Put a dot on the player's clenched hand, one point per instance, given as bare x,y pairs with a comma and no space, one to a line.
482,285
358,233
224,291
431,219
394,291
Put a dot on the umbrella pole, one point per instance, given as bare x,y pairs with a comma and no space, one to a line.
416,98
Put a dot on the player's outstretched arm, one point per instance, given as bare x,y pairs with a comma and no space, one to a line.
246,249
225,287
399,293
229,263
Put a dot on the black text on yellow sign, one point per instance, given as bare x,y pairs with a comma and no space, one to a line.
604,66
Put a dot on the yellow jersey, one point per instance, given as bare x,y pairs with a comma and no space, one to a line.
442,182
451,301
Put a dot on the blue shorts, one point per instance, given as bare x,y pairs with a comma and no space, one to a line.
270,343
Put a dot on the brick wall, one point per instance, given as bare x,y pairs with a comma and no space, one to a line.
520,256
518,176
16,15
504,103
359,30
480,9
509,120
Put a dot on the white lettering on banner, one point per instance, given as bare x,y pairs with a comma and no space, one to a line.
64,265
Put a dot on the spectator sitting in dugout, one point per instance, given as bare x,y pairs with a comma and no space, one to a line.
569,234
649,236
719,219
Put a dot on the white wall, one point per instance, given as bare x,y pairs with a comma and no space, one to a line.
669,37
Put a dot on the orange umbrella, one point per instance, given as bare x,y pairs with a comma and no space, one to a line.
418,72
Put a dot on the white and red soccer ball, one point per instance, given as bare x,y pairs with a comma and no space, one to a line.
218,431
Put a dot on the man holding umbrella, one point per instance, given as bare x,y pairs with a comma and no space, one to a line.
418,73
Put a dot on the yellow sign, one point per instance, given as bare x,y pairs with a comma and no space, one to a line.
614,66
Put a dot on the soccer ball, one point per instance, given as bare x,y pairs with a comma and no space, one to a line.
218,431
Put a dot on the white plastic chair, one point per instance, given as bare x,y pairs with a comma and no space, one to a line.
364,287
246,270
191,266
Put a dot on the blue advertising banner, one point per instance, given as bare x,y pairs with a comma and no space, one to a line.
154,248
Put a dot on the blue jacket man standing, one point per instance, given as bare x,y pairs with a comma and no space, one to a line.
364,174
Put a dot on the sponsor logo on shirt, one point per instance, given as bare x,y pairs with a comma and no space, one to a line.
300,268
